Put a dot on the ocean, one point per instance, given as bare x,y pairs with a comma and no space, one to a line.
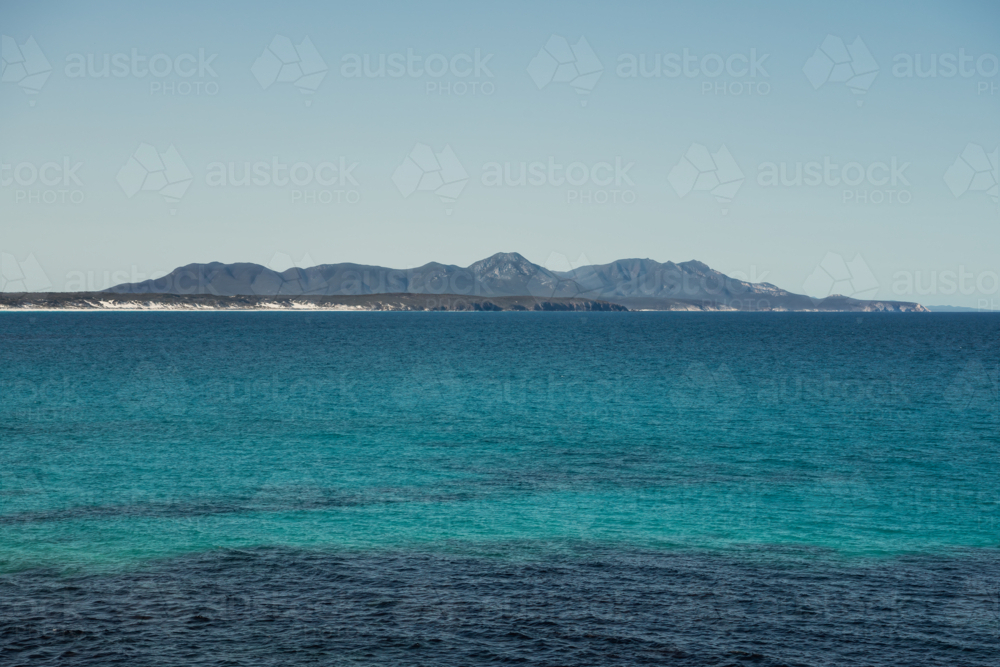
282,488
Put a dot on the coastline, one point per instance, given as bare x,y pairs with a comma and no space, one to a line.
89,302
103,302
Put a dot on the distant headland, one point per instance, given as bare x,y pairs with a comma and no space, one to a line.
504,281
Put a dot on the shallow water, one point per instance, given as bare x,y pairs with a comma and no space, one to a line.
561,488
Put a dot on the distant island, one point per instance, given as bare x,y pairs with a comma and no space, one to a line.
504,281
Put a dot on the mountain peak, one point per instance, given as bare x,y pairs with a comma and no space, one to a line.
511,257
696,265
505,264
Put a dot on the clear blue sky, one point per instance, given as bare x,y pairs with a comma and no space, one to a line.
235,107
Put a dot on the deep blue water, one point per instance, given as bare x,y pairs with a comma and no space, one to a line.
461,488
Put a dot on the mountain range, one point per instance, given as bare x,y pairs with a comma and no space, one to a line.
637,284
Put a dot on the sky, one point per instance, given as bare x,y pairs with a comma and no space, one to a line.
831,147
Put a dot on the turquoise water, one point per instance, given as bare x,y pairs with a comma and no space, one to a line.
136,436
845,444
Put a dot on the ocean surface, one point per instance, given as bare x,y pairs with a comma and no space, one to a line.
466,488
